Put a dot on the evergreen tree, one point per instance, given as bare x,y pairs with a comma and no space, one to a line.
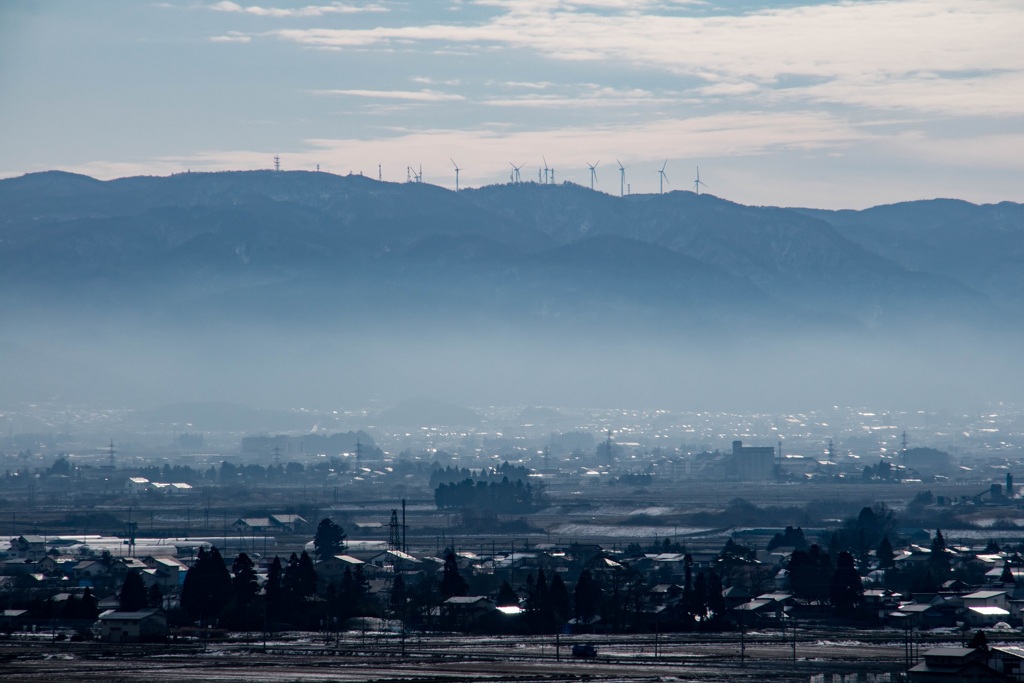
306,576
155,596
89,605
72,607
346,597
361,593
938,560
274,589
587,597
207,586
845,587
398,598
452,583
538,605
886,556
558,594
329,540
699,607
244,584
507,595
809,574
132,596
716,597
979,641
290,580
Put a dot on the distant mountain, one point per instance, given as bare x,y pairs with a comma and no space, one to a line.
982,246
323,284
226,244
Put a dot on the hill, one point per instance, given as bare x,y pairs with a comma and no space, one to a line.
265,275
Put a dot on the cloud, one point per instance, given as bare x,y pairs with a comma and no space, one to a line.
938,56
412,95
232,37
307,11
590,96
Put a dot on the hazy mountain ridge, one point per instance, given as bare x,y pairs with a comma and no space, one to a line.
284,289
983,246
261,229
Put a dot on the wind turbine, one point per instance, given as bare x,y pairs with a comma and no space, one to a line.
662,178
698,182
457,169
515,172
545,169
622,178
593,174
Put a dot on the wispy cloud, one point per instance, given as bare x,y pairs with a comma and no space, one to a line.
307,11
413,95
589,96
930,55
232,37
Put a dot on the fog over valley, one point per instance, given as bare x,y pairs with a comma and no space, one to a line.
285,290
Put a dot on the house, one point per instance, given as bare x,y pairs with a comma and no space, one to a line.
981,617
13,619
289,523
252,525
467,610
955,664
148,625
987,599
333,568
1008,661
136,485
666,594
30,548
168,572
925,615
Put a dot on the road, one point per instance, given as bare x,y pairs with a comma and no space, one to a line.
355,657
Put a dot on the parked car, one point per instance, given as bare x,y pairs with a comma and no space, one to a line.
584,650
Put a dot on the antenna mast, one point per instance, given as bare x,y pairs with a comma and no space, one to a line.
394,532
277,164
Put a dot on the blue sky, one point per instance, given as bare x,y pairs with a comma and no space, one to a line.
828,104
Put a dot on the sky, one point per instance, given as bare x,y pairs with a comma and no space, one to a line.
824,104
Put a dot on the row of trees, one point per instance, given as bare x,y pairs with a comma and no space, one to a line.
504,497
452,475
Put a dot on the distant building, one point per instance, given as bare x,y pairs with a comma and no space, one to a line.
149,625
751,463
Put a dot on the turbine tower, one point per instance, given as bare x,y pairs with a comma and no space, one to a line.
593,174
698,182
662,178
457,169
622,178
545,169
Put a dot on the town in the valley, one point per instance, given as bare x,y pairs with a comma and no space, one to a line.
576,553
